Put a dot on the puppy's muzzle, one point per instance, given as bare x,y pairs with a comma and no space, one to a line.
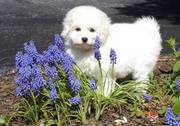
84,46
84,39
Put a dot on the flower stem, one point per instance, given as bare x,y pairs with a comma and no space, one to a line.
101,78
113,77
57,112
35,108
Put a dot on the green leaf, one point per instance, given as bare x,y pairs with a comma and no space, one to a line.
2,121
162,110
172,41
176,106
139,113
50,122
132,114
176,67
177,54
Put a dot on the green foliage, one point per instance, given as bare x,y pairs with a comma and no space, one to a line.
136,110
176,67
171,43
176,106
2,121
170,80
162,110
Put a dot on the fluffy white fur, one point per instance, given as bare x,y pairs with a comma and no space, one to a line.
137,44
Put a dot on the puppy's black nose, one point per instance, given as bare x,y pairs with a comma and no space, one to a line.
84,39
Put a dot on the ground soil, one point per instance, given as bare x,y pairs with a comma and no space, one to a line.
9,102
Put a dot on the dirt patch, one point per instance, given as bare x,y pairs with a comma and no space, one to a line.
164,65
7,93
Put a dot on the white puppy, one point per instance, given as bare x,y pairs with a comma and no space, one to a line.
137,45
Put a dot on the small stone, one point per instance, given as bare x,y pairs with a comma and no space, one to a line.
115,115
120,122
117,122
41,122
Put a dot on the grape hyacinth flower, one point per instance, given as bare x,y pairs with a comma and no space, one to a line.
92,84
178,117
67,63
75,100
30,63
178,123
29,79
31,50
51,71
18,60
23,60
29,76
25,72
97,53
170,117
53,94
75,84
48,57
58,42
52,54
37,81
113,56
147,97
97,43
178,120
53,91
18,91
40,59
178,85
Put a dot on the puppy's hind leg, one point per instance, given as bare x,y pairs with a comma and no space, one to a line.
142,78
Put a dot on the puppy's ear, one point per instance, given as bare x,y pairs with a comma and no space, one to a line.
65,30
104,28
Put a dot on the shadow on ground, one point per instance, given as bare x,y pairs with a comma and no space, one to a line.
160,9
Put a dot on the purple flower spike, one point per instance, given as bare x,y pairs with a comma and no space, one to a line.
97,53
51,71
147,97
113,56
75,100
31,50
170,117
92,84
75,84
58,42
53,94
53,91
178,85
19,60
97,43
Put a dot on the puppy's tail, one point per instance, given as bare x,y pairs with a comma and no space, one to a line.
149,23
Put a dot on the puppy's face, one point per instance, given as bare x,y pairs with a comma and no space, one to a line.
83,36
83,24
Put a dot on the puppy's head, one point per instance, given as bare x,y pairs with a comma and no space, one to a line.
83,24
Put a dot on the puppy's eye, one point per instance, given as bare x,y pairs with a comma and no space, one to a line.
78,29
92,30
